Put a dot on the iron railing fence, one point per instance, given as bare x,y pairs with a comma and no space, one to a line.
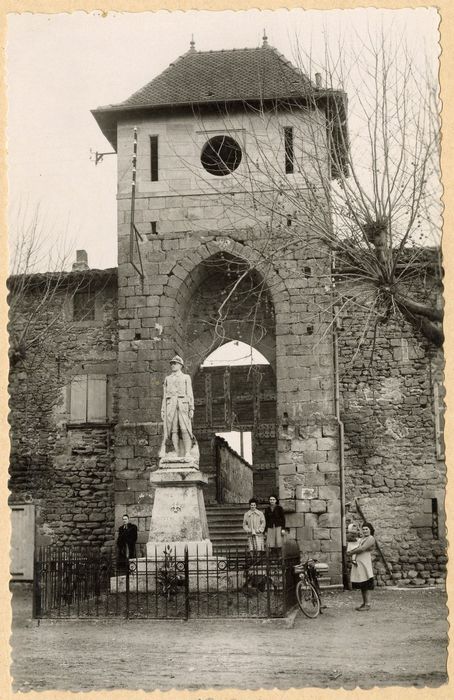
91,583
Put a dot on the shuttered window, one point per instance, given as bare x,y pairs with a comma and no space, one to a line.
84,306
88,398
154,158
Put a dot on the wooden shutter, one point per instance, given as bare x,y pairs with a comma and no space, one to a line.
79,399
22,542
97,398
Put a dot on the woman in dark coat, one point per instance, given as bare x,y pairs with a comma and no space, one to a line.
275,523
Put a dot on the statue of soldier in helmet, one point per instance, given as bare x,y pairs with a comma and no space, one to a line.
177,412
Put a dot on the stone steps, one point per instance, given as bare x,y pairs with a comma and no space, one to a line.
225,525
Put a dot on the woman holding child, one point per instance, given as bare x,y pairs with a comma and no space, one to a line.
362,575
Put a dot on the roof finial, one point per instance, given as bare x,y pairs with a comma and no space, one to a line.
265,38
192,43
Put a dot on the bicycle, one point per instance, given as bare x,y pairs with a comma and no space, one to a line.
308,592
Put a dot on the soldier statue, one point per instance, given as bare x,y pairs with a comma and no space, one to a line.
177,411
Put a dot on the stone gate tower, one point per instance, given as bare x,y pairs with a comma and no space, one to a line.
212,246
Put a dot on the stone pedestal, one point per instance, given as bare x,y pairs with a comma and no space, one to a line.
178,518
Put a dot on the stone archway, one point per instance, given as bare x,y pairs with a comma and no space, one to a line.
191,274
225,299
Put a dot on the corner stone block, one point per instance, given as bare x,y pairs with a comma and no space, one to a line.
329,492
329,546
303,506
299,445
316,479
329,520
294,519
318,506
310,520
326,443
427,505
304,534
305,493
335,536
311,547
322,533
287,468
125,498
286,491
308,431
334,506
330,430
315,456
332,479
424,520
327,467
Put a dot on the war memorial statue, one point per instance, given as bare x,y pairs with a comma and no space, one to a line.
178,518
177,412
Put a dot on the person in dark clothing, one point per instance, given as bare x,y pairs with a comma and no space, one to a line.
126,540
290,547
274,524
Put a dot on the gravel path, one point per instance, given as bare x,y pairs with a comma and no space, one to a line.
401,641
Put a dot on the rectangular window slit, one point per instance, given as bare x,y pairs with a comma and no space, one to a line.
288,145
435,518
154,158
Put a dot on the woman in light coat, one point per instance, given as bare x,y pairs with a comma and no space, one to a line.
362,574
254,525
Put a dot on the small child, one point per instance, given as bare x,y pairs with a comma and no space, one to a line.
352,539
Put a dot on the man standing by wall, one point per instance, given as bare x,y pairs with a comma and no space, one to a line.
126,541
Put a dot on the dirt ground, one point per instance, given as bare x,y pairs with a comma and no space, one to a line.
401,641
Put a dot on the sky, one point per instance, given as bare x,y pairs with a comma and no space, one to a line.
61,66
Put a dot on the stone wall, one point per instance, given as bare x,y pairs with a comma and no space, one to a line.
136,456
391,456
64,468
235,473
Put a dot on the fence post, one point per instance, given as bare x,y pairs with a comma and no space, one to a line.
285,582
186,582
268,584
127,588
37,608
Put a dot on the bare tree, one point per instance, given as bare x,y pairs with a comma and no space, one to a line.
41,289
368,196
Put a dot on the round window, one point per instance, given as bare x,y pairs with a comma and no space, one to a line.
221,155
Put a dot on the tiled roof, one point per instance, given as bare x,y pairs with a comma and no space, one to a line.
217,76
211,77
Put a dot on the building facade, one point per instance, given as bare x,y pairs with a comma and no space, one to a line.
210,249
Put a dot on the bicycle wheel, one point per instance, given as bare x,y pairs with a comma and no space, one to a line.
307,598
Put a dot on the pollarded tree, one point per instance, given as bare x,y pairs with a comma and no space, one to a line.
369,195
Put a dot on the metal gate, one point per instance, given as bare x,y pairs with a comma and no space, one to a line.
74,582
